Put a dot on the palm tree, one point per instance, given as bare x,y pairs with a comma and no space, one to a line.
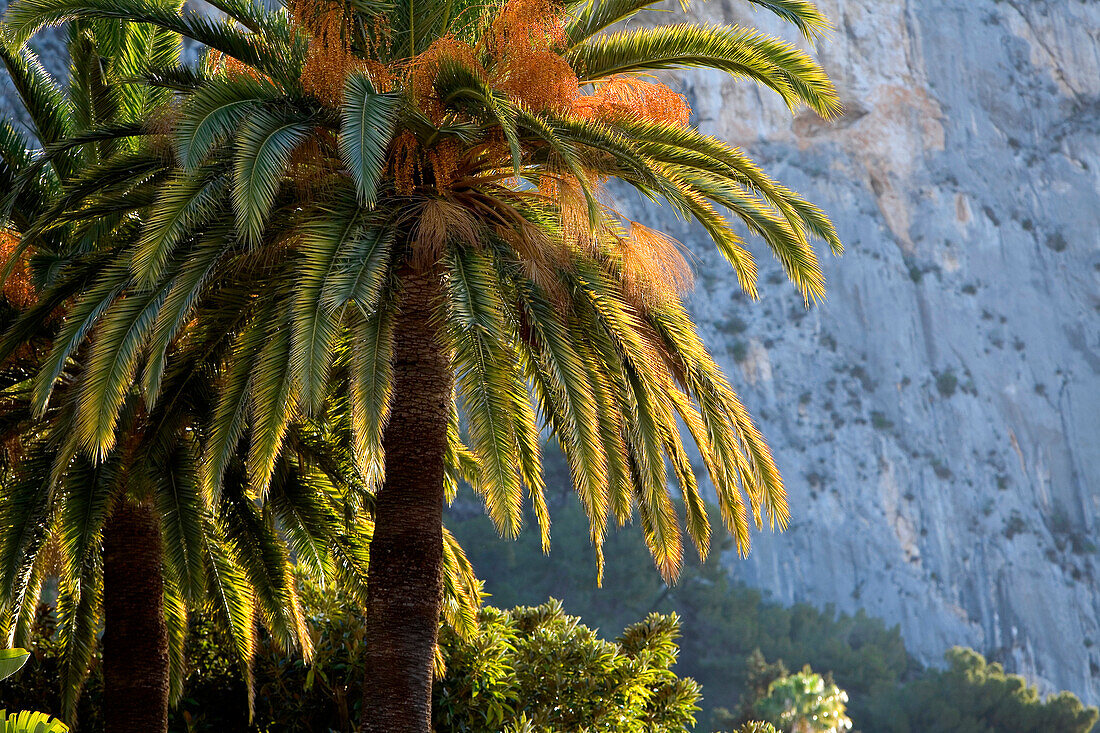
414,221
133,537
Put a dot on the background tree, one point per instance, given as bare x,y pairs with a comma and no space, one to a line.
971,696
414,198
805,702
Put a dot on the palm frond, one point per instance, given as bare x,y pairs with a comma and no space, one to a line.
27,17
263,147
233,601
488,385
741,52
371,390
232,402
187,199
42,96
216,109
274,399
368,126
112,364
181,507
175,620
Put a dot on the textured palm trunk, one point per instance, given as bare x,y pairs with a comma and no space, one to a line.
406,553
135,639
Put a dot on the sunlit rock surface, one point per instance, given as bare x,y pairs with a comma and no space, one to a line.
937,420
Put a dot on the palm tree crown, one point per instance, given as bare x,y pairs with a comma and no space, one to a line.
350,145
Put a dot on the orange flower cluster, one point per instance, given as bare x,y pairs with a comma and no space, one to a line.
405,163
329,57
18,289
524,41
628,97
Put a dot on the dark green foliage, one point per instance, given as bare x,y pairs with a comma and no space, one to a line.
722,621
972,696
36,686
537,666
759,674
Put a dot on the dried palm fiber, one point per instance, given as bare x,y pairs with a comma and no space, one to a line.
628,97
18,289
654,270
329,56
566,193
438,222
524,40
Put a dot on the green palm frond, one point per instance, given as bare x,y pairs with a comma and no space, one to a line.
181,506
255,546
215,110
40,93
368,125
78,323
274,395
740,52
803,14
112,364
186,200
563,383
589,17
26,17
461,589
371,390
185,291
263,147
175,620
343,259
232,403
26,510
488,385
78,604
310,526
233,601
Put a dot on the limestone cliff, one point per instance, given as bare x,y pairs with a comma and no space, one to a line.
938,419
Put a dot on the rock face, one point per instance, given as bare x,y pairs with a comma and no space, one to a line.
937,419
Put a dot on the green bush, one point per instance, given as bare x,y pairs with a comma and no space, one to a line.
544,667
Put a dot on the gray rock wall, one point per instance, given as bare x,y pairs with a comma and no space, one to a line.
937,419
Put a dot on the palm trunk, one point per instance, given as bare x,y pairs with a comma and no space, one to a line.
406,552
135,639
